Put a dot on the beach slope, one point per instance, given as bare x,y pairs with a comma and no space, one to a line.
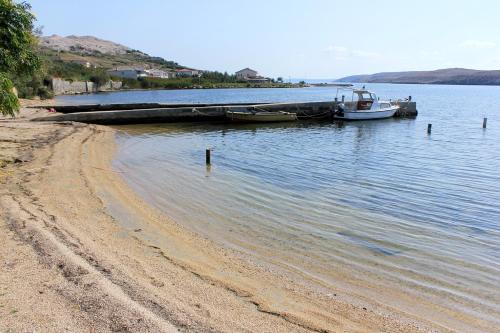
82,252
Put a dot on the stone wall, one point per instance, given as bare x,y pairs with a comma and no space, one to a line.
64,87
111,85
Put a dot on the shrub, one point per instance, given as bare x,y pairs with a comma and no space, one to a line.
44,92
100,78
18,54
9,104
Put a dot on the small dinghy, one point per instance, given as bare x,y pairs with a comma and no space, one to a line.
258,117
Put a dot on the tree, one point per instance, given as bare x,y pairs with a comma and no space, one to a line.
100,78
18,53
279,79
8,99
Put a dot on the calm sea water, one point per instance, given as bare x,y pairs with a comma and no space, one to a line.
366,204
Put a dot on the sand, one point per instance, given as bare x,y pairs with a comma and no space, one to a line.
81,252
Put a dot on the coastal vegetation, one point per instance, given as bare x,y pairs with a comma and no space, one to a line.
213,80
74,71
85,58
76,58
18,52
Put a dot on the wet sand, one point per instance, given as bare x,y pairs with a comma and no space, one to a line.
82,252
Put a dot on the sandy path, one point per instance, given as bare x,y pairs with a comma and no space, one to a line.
81,252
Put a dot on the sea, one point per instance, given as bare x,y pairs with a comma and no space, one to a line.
372,205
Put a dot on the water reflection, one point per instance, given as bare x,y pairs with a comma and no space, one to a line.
379,200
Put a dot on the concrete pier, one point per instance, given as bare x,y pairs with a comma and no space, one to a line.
163,113
407,109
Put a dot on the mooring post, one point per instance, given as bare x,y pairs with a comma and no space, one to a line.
429,128
207,156
485,120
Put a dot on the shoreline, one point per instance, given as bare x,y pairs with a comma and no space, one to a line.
294,86
94,254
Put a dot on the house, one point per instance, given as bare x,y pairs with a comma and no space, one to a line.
159,73
128,72
249,75
187,72
246,73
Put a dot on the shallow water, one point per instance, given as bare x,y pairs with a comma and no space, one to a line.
368,206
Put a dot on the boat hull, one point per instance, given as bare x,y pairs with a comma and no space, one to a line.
367,115
261,117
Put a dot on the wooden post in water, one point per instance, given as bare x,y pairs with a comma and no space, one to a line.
485,120
207,156
429,128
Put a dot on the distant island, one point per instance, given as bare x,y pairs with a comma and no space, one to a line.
455,76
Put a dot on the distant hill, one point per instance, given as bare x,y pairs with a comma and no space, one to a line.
83,44
441,76
88,58
98,52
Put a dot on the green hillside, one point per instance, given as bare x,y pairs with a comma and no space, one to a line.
87,58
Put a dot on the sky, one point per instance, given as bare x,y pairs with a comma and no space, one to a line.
291,38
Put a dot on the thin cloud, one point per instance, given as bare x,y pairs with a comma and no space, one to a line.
430,54
342,53
478,44
496,60
365,54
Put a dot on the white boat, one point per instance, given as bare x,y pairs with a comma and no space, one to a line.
364,105
257,117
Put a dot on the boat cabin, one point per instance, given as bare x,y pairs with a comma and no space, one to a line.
362,104
359,99
364,99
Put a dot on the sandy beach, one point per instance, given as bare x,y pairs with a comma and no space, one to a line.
83,253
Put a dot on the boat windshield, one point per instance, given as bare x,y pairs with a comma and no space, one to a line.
366,96
353,95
